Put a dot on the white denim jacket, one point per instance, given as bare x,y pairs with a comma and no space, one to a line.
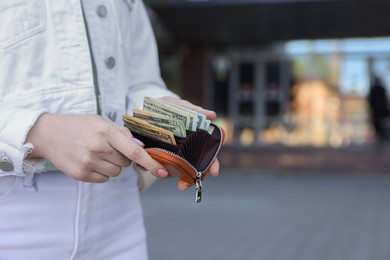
45,64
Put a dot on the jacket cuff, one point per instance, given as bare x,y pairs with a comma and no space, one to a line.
15,125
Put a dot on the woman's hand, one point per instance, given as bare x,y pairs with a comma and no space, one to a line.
88,147
214,169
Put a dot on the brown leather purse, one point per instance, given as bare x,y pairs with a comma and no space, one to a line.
191,158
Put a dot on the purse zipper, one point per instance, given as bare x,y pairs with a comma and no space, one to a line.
198,178
198,187
216,152
198,182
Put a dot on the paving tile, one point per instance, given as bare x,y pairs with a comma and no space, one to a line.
257,215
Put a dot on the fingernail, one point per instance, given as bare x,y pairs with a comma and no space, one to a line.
183,187
162,173
138,142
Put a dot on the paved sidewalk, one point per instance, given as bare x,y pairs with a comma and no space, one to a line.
270,216
357,159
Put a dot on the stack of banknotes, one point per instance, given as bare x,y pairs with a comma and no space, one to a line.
163,121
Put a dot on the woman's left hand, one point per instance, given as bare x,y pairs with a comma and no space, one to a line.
211,115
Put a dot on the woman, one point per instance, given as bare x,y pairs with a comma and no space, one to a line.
70,69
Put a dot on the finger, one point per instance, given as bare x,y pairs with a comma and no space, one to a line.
184,103
139,142
208,113
214,169
182,185
124,130
94,177
117,158
107,168
127,133
137,154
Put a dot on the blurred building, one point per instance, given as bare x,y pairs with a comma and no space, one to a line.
278,72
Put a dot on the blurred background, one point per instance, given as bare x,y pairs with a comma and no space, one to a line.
304,174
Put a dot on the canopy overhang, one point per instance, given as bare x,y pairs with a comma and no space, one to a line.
249,22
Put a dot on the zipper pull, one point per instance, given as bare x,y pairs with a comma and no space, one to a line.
198,187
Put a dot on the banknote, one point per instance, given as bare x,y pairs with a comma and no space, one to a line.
163,121
192,119
156,106
144,128
176,126
201,122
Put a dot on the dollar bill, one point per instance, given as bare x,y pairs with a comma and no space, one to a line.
191,119
163,109
201,122
144,128
207,124
163,121
176,126
210,129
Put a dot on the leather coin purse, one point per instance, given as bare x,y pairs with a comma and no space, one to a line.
191,158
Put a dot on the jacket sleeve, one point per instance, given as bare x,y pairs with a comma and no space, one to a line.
144,69
15,123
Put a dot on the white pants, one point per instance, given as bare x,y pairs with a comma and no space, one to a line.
68,219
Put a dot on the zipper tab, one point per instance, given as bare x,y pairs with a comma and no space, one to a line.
198,187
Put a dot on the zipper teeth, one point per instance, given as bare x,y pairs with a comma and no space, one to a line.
208,166
177,156
219,148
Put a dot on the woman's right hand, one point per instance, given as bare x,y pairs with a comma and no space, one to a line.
88,147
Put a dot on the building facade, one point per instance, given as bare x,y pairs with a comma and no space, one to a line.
291,73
